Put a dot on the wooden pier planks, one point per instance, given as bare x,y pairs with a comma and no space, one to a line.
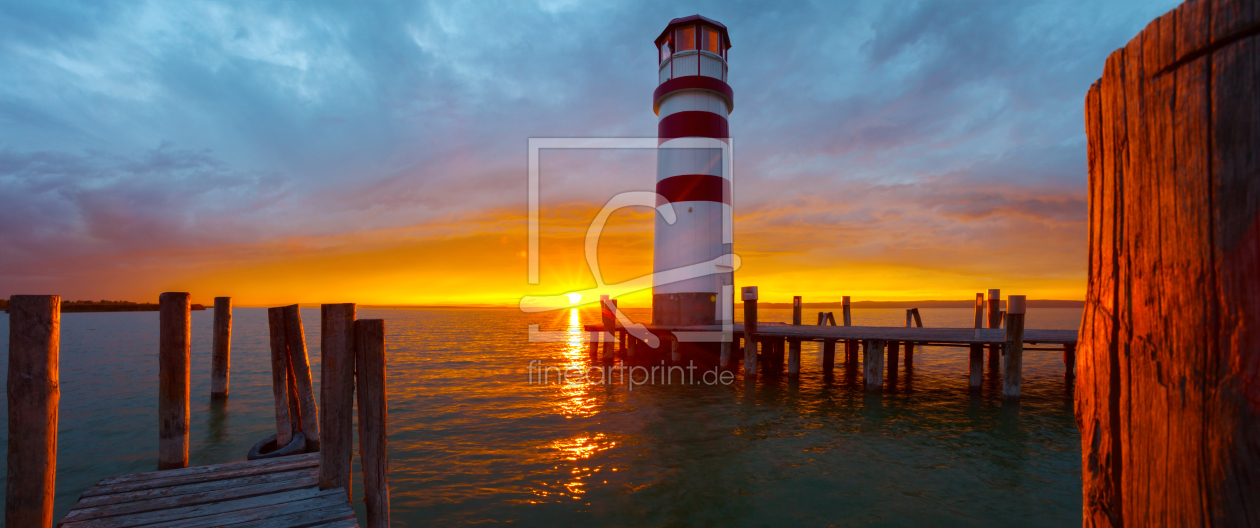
273,492
921,336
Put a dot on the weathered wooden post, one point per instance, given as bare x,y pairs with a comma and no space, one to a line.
822,318
918,321
280,377
975,362
1168,365
894,354
909,359
995,321
1013,365
369,353
175,331
609,319
850,345
34,388
749,296
300,367
873,364
221,354
336,396
794,345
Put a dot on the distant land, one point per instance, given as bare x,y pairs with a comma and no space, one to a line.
103,306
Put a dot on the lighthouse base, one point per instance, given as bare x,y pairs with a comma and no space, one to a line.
684,309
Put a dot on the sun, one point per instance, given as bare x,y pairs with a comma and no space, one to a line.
574,298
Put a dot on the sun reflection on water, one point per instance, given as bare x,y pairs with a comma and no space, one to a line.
576,399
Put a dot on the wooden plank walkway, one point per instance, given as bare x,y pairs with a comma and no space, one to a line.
943,336
279,492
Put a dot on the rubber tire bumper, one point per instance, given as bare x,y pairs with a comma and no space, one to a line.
296,447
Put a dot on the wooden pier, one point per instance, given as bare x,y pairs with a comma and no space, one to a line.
273,492
1004,336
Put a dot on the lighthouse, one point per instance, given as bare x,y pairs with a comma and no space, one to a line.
692,102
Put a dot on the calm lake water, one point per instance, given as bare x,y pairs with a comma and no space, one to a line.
472,441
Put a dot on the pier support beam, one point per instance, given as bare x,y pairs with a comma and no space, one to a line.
1014,358
794,345
34,398
749,296
995,321
975,367
369,352
894,353
607,311
336,396
173,377
280,377
300,370
221,351
829,356
1069,361
873,364
909,354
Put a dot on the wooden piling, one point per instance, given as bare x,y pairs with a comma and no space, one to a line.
173,378
1168,363
822,318
850,345
975,367
918,321
848,316
370,374
909,359
794,345
1069,361
894,353
608,316
995,321
280,377
831,319
336,396
749,295
979,311
221,352
829,356
300,368
34,398
873,364
1013,366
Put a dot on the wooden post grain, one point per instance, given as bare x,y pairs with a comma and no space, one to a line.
34,397
221,353
873,364
1013,366
300,367
336,396
175,336
1168,362
370,373
280,377
749,296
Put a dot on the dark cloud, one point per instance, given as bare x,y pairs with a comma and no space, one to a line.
139,127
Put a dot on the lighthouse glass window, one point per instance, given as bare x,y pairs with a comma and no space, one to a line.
712,41
686,39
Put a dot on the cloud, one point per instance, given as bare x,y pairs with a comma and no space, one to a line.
147,132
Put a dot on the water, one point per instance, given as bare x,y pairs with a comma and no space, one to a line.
472,441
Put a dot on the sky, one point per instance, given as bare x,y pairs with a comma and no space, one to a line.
376,152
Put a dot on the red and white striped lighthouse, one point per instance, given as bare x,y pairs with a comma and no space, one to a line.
692,174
